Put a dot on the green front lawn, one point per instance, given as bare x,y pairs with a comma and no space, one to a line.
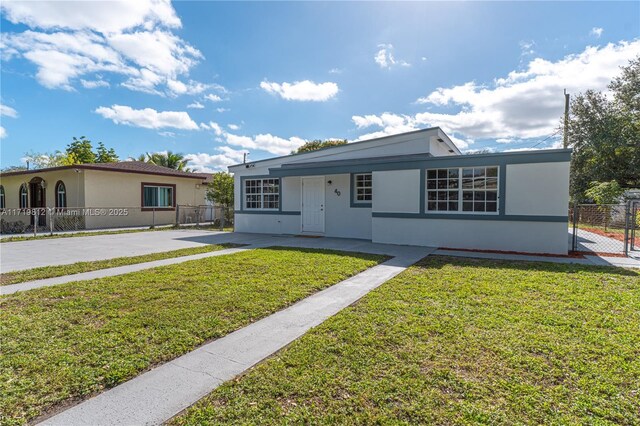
72,340
453,341
79,267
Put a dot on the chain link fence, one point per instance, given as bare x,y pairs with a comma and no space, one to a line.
58,220
604,229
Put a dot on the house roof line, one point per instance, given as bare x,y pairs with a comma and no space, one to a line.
138,167
348,144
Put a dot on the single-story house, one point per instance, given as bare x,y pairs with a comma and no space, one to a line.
92,196
414,188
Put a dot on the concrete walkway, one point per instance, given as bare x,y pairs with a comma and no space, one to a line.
154,397
111,272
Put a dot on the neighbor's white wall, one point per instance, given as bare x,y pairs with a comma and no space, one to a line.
396,191
540,189
342,220
530,237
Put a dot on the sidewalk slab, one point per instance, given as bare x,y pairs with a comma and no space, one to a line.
156,396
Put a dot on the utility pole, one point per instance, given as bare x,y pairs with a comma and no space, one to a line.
565,139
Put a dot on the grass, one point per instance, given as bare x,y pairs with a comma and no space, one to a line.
79,267
27,237
70,341
453,341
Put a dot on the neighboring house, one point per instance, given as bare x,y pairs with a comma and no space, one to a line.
150,193
413,188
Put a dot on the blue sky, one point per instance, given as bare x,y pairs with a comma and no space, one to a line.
213,79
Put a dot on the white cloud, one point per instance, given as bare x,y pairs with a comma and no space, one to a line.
195,105
133,39
93,84
3,133
118,15
596,32
265,142
527,47
385,58
527,103
208,163
221,110
167,134
335,71
212,126
147,118
7,111
233,126
302,90
213,98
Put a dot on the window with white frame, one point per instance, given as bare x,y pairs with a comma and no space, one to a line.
24,196
262,194
362,188
463,189
157,196
61,195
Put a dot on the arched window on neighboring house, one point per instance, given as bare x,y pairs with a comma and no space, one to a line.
24,196
2,199
61,195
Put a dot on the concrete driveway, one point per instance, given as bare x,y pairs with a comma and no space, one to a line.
29,254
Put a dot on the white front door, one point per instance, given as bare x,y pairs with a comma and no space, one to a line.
313,204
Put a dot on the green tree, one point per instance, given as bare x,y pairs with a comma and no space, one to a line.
169,159
41,160
605,134
104,155
220,192
605,194
317,144
82,150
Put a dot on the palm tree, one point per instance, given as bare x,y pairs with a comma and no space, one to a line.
169,159
172,160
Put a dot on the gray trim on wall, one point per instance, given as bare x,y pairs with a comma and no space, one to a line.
360,166
471,216
276,212
351,193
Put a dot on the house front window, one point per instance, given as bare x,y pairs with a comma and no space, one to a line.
24,196
362,188
262,194
464,189
158,196
61,195
2,200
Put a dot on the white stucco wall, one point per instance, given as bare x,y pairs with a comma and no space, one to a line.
342,220
540,189
396,191
529,237
267,223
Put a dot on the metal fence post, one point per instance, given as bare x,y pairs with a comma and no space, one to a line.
574,239
153,217
177,215
627,213
222,219
35,223
51,218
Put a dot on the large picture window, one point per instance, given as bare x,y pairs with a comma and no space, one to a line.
466,189
262,194
362,188
158,196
